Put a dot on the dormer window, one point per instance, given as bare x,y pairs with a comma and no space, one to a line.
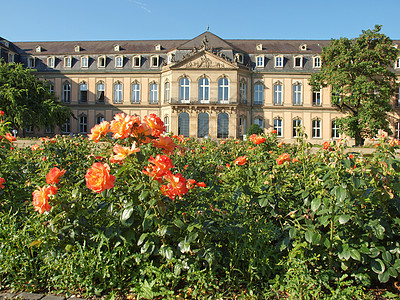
303,47
51,62
137,61
31,62
101,61
260,61
119,61
84,61
279,61
259,47
116,47
77,48
171,58
317,62
298,61
38,49
154,61
239,58
67,62
157,47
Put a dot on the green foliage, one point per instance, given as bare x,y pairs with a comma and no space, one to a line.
254,129
360,73
26,100
323,225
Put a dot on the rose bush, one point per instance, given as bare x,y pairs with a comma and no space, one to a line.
132,211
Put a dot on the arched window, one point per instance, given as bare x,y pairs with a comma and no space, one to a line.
166,124
82,124
184,89
135,92
278,94
258,94
297,94
259,121
66,127
243,92
99,119
203,125
204,90
223,125
223,90
66,92
153,99
278,124
118,92
183,124
83,92
296,128
166,92
100,90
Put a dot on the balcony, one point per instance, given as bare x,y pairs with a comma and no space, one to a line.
202,102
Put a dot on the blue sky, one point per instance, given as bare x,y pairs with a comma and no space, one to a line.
78,20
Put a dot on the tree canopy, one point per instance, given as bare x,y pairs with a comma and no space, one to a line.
360,73
27,100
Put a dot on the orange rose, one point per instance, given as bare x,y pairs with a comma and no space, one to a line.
98,178
326,145
2,180
161,167
123,152
142,133
98,131
190,183
165,143
122,124
176,186
54,175
256,139
10,137
155,123
241,160
201,184
41,198
282,158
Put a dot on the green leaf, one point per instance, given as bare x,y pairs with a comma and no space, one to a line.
143,195
184,246
345,254
377,266
355,254
263,201
127,216
308,235
316,238
191,237
343,219
292,232
340,193
384,277
179,223
142,238
387,257
147,222
392,272
315,204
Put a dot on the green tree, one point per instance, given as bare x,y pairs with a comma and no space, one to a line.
360,72
254,129
27,101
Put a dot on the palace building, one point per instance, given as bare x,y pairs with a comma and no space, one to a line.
206,86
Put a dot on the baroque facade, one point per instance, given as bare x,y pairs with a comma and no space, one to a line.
206,86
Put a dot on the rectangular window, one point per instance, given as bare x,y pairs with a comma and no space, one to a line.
84,62
166,124
100,92
82,124
296,128
316,128
101,62
48,129
335,130
258,94
67,93
297,94
278,62
83,90
51,87
259,122
278,91
154,61
153,93
242,126
119,62
135,93
278,127
243,92
298,62
317,62
260,61
31,62
118,93
29,129
166,92
316,100
397,98
67,62
51,62
136,62
10,58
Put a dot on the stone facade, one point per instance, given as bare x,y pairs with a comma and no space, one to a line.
206,86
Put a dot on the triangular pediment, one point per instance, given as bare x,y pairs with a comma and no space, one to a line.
205,60
206,39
